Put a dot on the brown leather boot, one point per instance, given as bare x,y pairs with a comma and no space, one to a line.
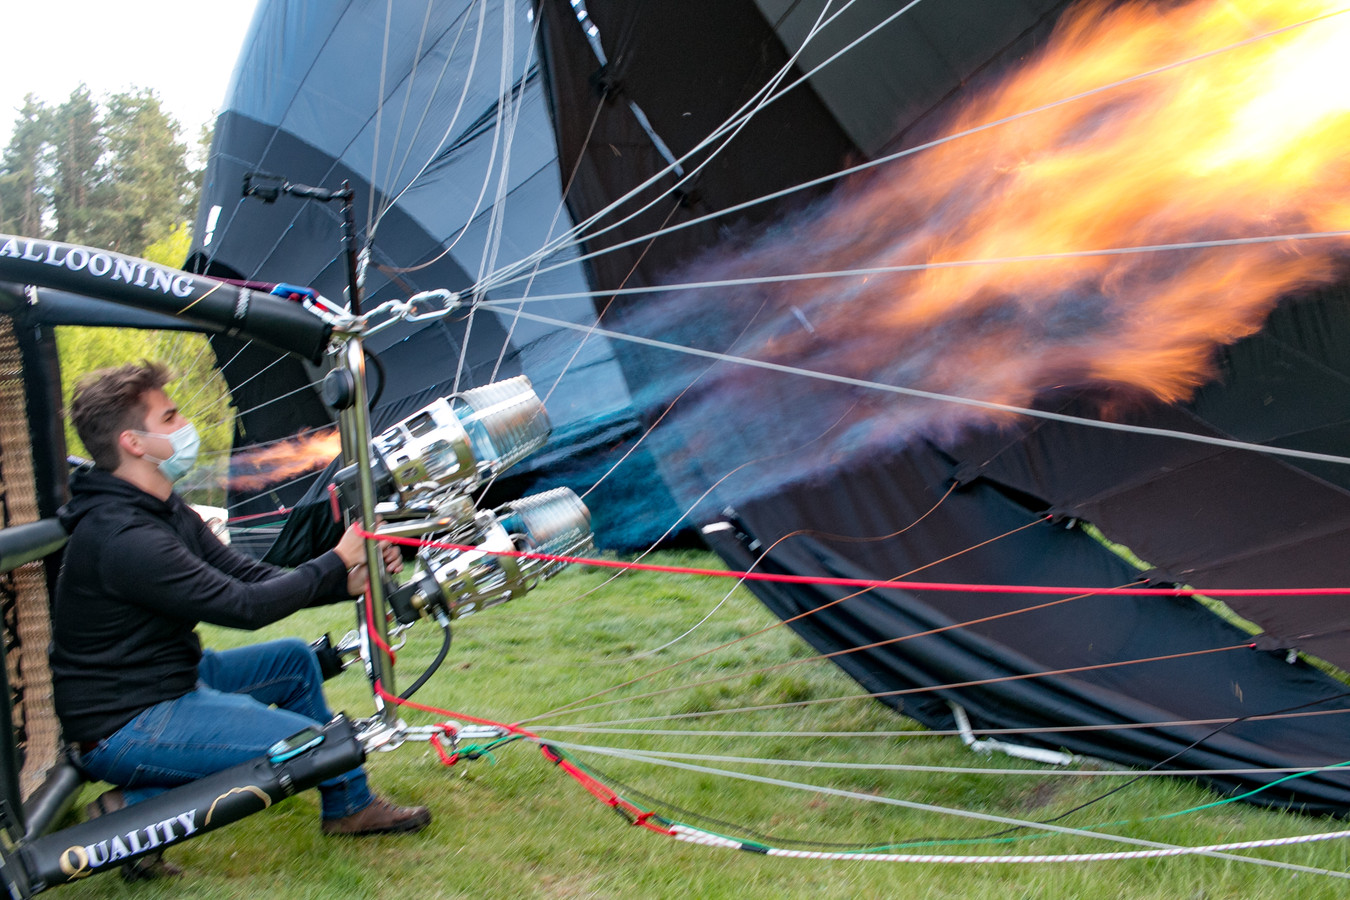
143,868
380,817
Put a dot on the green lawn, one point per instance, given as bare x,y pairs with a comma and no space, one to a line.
517,826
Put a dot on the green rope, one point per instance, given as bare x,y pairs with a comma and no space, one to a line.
952,842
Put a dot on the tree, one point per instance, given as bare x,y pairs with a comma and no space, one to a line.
23,198
173,248
77,165
115,175
146,186
199,157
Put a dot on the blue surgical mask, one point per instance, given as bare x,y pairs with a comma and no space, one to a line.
185,443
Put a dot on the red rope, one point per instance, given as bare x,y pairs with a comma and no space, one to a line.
376,634
636,815
262,515
877,583
643,818
447,758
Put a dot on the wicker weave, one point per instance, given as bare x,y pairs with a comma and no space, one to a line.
27,618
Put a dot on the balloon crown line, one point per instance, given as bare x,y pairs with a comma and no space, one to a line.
939,586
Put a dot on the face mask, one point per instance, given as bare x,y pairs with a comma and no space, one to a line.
185,443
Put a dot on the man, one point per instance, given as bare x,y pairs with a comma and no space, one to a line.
132,687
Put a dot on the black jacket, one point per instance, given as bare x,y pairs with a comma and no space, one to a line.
139,574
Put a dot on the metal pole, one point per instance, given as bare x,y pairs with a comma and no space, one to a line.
355,424
371,610
348,197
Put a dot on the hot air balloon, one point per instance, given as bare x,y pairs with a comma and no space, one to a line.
999,332
454,174
731,222
843,476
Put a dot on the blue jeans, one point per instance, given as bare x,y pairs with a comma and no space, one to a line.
227,720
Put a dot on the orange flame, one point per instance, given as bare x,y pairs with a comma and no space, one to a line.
1249,141
255,469
1135,126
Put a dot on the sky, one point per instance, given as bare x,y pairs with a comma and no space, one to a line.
183,49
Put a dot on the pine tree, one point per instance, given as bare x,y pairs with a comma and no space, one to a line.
77,166
23,198
146,184
117,176
114,175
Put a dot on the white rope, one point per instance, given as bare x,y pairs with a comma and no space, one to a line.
947,398
727,132
791,277
372,217
874,695
737,120
534,260
593,728
1172,849
454,120
694,836
504,102
504,133
880,161
394,176
379,118
695,627
1039,772
178,363
258,374
558,210
301,389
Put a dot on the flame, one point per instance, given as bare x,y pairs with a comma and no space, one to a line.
1245,143
252,470
1136,126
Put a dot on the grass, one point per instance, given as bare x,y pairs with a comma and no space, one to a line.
519,827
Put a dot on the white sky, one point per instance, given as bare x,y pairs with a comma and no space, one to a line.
184,49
